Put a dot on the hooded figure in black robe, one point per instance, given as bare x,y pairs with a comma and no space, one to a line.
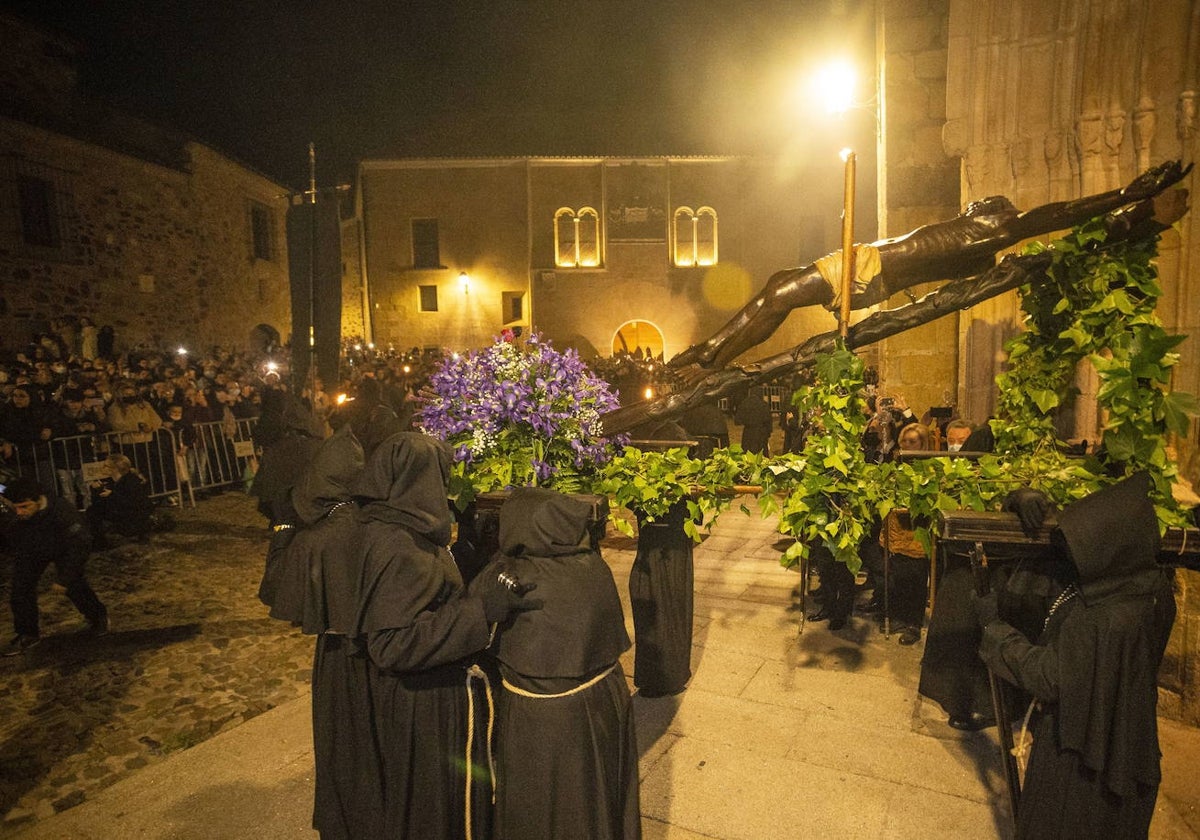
566,749
308,579
289,437
390,692
1094,767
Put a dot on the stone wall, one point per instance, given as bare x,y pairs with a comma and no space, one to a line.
1052,102
164,256
918,185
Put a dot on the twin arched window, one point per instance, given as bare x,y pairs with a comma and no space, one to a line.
576,237
695,236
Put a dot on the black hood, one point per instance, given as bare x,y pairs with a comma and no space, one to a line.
543,523
581,627
1112,539
328,480
405,482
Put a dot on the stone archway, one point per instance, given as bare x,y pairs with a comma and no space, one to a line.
264,339
639,334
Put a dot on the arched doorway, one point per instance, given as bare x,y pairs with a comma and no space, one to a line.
633,335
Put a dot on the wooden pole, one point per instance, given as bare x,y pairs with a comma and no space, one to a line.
847,243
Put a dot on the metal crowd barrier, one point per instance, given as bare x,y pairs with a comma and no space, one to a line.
221,454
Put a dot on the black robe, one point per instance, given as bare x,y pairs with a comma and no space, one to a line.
378,589
1027,581
661,583
566,749
1094,767
391,701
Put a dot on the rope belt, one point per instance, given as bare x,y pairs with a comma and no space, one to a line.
477,673
523,693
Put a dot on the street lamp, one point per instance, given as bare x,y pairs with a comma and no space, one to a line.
464,282
834,86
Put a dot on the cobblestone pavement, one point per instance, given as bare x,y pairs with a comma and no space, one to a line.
192,652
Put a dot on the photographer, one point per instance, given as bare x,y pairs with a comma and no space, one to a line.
122,501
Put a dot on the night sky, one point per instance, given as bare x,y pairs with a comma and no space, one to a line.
259,79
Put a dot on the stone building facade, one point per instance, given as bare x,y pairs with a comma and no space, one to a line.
107,217
595,253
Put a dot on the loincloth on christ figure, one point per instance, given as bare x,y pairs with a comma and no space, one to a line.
866,268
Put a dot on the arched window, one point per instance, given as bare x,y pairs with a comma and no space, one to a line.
695,236
576,237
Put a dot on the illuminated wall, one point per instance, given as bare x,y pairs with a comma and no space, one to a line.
611,258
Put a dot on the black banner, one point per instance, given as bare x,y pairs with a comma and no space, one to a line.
315,269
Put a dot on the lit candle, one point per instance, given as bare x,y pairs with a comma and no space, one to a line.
847,242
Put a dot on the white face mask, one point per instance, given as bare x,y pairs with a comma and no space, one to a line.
954,447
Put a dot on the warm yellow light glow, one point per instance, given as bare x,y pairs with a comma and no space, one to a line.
341,398
834,86
464,282
844,154
407,369
649,393
182,351
272,366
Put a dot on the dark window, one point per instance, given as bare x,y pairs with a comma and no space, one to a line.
515,307
39,212
428,298
425,244
262,226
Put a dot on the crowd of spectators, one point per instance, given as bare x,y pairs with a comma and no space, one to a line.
67,399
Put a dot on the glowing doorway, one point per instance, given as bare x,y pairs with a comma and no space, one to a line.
634,335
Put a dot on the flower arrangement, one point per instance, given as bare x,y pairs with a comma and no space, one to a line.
519,413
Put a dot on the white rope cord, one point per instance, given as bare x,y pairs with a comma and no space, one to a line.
477,673
522,692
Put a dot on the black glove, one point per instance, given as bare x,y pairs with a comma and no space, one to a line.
499,602
986,609
1030,506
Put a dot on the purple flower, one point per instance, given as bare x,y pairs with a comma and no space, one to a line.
521,403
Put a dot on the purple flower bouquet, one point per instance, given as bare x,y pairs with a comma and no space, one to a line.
520,413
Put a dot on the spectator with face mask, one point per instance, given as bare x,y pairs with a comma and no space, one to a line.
957,432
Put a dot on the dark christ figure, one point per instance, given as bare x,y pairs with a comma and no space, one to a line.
960,247
960,251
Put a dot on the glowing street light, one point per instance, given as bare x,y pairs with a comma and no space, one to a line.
464,282
834,86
